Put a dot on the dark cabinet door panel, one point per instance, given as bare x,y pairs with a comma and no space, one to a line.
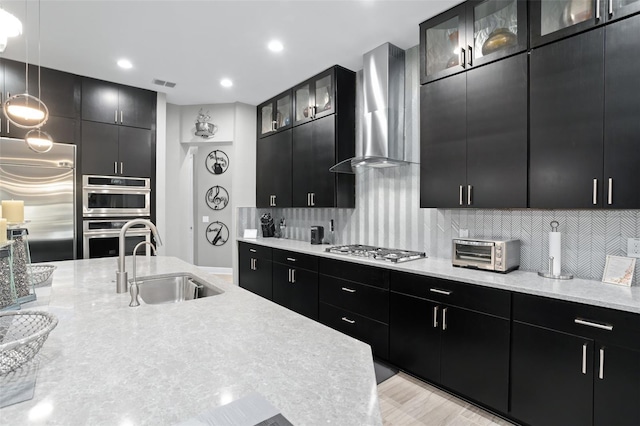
302,165
99,101
350,271
323,157
497,133
621,124
254,250
62,129
99,148
548,383
566,123
475,356
367,330
443,139
372,302
60,92
616,386
273,172
137,107
296,289
135,151
255,275
414,335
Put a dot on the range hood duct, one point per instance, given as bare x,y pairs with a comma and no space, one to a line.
383,112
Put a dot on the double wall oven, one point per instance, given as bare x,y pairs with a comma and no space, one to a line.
108,202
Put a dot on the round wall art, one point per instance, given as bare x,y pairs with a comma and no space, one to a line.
217,162
217,233
217,198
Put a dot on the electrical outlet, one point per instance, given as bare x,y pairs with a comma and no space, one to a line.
633,247
463,233
205,219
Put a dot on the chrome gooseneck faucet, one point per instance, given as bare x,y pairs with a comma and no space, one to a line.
121,274
134,284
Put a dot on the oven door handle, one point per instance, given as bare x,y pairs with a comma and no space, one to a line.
111,234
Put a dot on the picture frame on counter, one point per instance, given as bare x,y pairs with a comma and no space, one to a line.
619,270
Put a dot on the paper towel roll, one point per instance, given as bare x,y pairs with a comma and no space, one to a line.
555,251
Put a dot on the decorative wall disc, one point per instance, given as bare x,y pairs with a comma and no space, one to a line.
217,162
217,233
217,198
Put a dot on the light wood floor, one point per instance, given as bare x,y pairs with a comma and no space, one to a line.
406,401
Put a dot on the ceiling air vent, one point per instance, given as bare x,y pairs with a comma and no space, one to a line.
163,83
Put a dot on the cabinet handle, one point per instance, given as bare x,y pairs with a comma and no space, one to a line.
597,10
470,61
308,199
252,250
251,264
121,168
610,8
121,117
293,275
593,324
584,358
115,167
312,112
274,126
601,370
437,290
313,199
461,195
463,58
291,259
610,195
348,290
444,319
115,116
595,191
345,319
435,316
289,277
469,189
274,201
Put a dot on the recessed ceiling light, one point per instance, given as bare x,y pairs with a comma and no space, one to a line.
225,82
275,46
125,63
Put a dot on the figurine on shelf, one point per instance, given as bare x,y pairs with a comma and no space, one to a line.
205,129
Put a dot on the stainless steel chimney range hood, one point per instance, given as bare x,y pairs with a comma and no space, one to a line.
383,112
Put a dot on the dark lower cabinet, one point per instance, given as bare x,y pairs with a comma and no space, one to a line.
296,289
463,350
255,269
551,377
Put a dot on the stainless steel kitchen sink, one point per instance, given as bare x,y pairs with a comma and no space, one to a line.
172,288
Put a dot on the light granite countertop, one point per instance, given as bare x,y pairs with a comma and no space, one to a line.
576,290
107,363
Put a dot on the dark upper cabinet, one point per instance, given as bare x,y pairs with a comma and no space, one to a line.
473,138
471,34
314,98
553,20
322,136
112,103
621,105
60,92
111,150
274,115
273,170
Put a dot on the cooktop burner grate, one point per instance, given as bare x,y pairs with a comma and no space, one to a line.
378,253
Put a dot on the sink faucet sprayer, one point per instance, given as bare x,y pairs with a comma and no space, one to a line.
134,285
121,274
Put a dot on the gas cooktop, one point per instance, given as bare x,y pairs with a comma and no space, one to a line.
378,253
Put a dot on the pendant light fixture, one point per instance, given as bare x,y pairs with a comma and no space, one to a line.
25,110
10,26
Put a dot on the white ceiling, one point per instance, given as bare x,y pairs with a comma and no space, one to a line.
197,43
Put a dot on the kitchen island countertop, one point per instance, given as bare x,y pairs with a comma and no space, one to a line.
576,290
107,363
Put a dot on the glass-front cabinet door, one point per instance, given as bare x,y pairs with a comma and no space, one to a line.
620,8
314,98
555,19
495,29
442,45
275,114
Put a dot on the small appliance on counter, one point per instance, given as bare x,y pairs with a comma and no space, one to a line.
317,234
489,255
268,227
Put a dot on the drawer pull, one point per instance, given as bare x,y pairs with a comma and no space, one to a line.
593,324
436,290
601,371
252,250
584,358
291,259
345,319
348,290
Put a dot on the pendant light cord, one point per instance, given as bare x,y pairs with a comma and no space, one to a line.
26,49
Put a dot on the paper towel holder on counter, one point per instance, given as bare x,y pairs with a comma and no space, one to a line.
549,273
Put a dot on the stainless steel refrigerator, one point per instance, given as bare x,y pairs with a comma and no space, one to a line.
46,183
